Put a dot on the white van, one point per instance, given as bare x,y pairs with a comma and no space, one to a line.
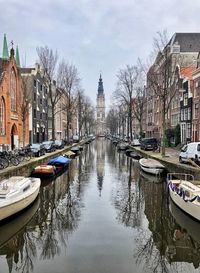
190,151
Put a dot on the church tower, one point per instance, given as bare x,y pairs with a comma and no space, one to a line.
100,110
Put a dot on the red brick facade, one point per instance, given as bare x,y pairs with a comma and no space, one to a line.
11,119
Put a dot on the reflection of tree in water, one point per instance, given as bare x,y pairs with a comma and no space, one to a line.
127,198
57,217
157,250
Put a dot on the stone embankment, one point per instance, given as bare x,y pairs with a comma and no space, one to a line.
26,167
171,162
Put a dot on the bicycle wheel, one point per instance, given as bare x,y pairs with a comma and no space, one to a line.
14,161
20,158
5,162
1,165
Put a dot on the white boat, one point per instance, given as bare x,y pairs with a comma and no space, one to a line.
184,193
122,146
150,165
17,193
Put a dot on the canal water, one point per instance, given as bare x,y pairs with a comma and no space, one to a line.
103,215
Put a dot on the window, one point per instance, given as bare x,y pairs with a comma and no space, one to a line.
34,96
185,102
2,117
185,114
35,83
40,115
182,116
188,132
40,101
189,113
34,113
13,90
196,110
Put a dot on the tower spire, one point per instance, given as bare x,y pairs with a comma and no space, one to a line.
5,55
100,86
17,57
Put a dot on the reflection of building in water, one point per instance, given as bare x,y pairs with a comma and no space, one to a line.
171,239
100,162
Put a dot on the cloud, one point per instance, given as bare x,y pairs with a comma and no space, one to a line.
95,35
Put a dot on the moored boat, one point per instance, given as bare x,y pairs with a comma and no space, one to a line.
150,165
75,150
122,146
60,162
69,154
44,170
184,193
135,155
17,193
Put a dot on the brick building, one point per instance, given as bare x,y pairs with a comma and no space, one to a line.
11,131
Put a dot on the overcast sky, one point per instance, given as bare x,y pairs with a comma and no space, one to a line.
95,35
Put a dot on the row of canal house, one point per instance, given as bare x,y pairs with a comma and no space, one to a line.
184,97
38,120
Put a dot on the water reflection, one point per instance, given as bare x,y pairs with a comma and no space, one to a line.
15,240
131,227
100,163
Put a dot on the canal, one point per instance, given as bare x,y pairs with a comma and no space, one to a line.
103,215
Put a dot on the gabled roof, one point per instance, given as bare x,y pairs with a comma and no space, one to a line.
189,42
187,72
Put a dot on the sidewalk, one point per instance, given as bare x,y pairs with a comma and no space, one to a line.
171,161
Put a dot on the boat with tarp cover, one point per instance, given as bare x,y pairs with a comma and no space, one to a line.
184,193
59,162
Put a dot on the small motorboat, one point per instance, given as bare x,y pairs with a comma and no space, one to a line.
44,170
122,146
128,152
69,154
150,165
60,162
17,193
184,193
75,150
134,155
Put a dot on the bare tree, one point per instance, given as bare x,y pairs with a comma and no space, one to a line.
112,121
69,81
48,61
25,103
125,92
161,79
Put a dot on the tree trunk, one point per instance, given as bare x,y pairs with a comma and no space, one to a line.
23,132
53,123
163,129
130,123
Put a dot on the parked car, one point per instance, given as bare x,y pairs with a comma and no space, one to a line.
149,144
37,149
59,144
191,151
49,146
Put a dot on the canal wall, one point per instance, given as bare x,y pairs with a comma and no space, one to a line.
26,167
170,163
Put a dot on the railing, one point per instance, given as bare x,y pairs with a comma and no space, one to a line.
180,176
